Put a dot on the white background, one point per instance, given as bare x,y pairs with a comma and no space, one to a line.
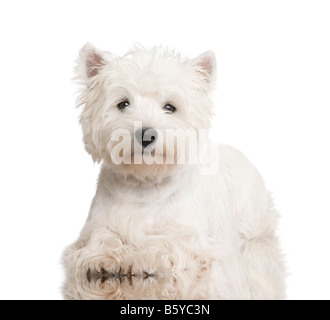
272,102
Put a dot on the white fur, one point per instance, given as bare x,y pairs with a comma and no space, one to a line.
201,236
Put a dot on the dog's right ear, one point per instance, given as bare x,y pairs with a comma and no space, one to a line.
90,63
88,71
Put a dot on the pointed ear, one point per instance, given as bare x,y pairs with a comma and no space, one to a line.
90,62
206,67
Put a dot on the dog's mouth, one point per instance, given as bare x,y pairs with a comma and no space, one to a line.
151,154
147,151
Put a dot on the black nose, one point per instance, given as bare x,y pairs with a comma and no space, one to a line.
146,136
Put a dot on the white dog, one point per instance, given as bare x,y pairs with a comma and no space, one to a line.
161,225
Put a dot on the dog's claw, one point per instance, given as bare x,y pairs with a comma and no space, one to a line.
89,275
146,275
119,274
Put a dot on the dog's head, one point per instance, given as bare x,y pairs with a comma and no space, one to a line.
136,107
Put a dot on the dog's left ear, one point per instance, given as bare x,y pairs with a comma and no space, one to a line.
206,66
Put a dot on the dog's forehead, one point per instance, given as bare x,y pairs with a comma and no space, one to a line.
155,64
152,72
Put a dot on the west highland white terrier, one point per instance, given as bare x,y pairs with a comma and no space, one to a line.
173,217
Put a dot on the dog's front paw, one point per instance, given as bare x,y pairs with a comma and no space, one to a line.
125,273
157,269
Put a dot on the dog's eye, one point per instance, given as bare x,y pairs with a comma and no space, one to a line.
169,108
122,105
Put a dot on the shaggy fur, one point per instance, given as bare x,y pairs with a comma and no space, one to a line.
167,230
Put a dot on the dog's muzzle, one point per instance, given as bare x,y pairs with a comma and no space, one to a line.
146,136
